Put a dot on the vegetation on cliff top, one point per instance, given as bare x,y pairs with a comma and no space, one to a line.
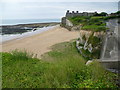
94,23
63,67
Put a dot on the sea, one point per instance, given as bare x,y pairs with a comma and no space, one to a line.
26,21
8,37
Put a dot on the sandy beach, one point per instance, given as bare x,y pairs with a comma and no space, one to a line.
40,43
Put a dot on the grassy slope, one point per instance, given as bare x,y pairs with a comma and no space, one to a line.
62,67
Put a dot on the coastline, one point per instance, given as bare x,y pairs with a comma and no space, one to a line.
42,42
6,38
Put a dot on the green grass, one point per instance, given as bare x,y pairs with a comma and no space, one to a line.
79,20
94,28
63,67
93,23
95,41
111,17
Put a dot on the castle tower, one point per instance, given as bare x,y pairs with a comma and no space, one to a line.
68,11
73,12
69,14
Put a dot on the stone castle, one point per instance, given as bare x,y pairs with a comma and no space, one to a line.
73,14
65,21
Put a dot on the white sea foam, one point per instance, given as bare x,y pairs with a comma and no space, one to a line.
4,38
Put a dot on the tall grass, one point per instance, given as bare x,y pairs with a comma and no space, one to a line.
63,67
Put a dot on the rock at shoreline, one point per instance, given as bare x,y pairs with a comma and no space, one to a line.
21,28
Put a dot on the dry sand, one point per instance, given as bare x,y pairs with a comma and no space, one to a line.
40,43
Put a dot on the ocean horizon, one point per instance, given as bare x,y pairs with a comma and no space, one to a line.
26,21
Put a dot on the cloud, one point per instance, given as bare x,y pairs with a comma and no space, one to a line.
32,10
11,1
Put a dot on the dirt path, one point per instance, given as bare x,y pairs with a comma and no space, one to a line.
41,43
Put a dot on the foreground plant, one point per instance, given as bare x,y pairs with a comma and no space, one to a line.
63,67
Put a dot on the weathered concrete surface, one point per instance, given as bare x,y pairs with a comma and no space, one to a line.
110,64
110,51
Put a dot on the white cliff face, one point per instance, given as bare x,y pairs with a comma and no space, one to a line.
77,43
88,33
68,23
85,45
81,40
90,48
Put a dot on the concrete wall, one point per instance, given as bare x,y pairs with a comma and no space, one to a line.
110,64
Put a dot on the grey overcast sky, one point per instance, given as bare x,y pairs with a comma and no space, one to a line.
41,9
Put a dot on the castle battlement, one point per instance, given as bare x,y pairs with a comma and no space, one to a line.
73,13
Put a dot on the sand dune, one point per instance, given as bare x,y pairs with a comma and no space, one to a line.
40,43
